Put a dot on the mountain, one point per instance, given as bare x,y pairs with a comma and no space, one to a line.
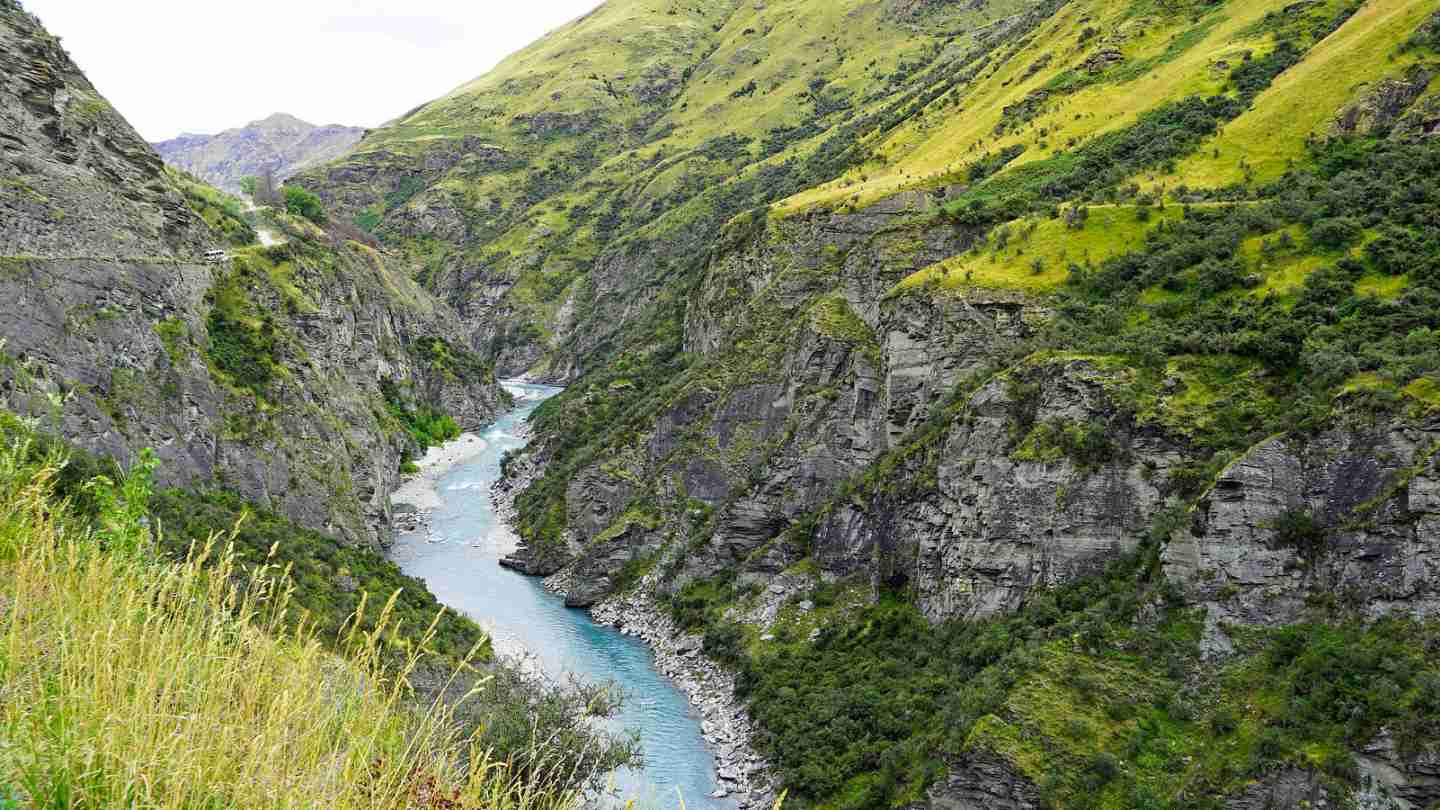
282,143
293,375
1030,402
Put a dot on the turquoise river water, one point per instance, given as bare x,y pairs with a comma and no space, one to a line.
459,559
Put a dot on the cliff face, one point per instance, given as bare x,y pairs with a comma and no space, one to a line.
886,369
281,143
913,431
261,374
840,429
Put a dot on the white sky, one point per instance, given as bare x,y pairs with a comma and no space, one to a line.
172,66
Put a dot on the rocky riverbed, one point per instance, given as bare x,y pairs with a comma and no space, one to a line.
725,724
711,690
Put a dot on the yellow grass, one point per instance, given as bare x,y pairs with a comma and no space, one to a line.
922,154
1381,286
1109,231
1305,99
129,682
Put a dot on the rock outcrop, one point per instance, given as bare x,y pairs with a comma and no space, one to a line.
1350,513
982,781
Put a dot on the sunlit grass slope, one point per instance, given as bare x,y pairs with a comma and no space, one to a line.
1053,94
1303,102
1035,254
130,682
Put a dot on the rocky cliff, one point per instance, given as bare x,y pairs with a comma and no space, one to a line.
262,373
282,144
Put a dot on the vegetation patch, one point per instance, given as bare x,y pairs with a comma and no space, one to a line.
220,211
427,426
1037,254
300,202
833,317
101,627
1271,139
1088,445
1097,710
1305,346
243,344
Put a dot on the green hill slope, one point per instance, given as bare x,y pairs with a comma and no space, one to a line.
1033,403
647,124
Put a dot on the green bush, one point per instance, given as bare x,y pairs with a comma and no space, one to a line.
245,353
1298,529
368,220
1336,233
426,425
302,203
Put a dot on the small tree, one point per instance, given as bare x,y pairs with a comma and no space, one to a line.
302,203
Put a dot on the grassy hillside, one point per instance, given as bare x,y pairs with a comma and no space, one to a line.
131,681
217,602
646,123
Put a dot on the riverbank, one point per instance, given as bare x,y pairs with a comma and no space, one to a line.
503,494
710,689
724,722
419,490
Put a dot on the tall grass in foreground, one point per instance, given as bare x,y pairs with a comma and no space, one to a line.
130,682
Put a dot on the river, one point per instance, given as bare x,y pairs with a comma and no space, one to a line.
459,559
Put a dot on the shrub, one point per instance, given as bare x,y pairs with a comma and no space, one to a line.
1298,529
1336,233
302,203
244,352
723,642
426,425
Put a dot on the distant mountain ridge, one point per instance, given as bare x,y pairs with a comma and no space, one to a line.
281,142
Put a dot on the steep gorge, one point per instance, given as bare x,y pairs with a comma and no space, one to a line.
1032,402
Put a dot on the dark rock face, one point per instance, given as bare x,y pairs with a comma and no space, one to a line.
104,318
1288,790
77,180
1361,504
1384,105
982,781
1386,775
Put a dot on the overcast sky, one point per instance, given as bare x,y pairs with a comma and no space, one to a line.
173,66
